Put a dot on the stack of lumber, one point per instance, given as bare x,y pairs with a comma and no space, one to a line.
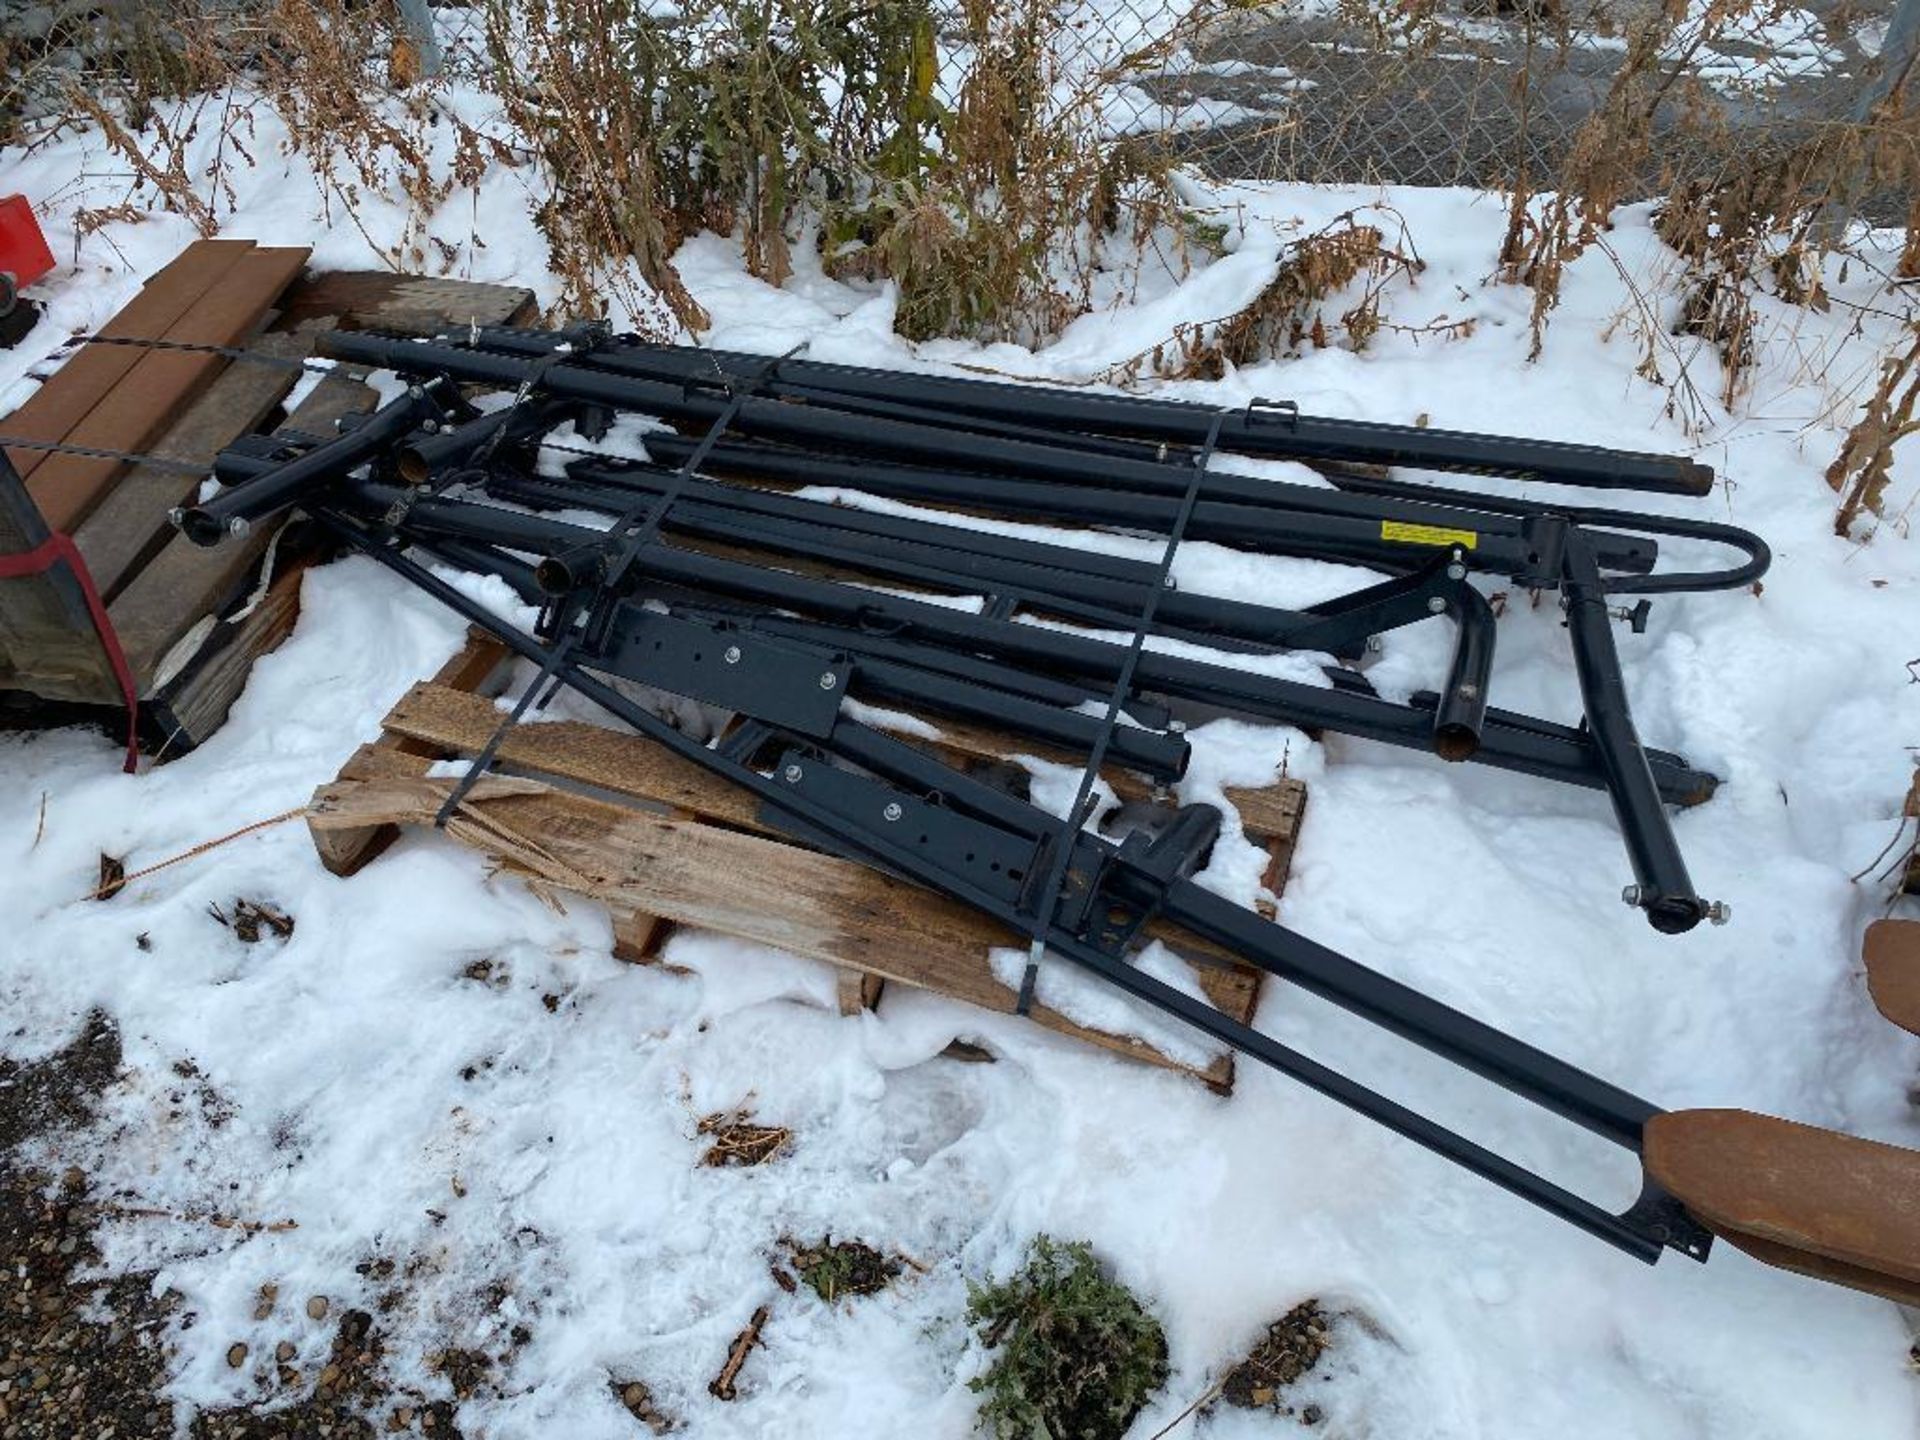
190,621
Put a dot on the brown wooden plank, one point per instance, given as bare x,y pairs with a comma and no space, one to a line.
798,900
185,582
65,399
129,525
406,304
450,723
161,383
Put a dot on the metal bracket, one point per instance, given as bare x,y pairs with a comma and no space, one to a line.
1132,883
972,851
1282,412
798,687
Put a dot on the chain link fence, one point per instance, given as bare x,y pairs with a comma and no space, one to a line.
1483,93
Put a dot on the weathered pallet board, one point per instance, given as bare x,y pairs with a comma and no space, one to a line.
800,901
449,722
406,304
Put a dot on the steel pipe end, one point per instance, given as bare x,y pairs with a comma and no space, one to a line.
1455,743
411,466
200,527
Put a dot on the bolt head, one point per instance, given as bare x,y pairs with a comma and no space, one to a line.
1632,894
1456,572
238,526
893,810
1719,913
732,657
1436,604
829,680
792,774
1375,644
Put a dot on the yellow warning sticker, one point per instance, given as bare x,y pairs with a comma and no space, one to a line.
1408,534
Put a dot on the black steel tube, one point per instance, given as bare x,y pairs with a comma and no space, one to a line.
1661,884
1595,520
1514,1065
429,453
1148,751
1290,520
1461,712
280,486
1531,747
944,555
1407,532
1277,431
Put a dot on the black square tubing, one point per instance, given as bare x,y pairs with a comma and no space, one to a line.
1276,430
1606,756
761,417
861,813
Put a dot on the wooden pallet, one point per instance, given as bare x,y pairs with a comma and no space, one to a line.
190,620
582,809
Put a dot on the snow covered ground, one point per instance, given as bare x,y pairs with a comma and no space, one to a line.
523,1144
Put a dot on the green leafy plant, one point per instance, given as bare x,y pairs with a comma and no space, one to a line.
1078,1355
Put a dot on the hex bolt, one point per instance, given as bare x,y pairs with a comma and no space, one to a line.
1632,894
792,774
893,810
431,426
1436,604
829,680
1456,571
1375,644
238,526
732,657
1719,912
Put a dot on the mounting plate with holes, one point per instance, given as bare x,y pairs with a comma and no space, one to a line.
779,681
974,852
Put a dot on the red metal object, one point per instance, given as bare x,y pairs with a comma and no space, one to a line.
24,255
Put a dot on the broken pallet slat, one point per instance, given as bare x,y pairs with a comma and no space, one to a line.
160,382
801,901
84,380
